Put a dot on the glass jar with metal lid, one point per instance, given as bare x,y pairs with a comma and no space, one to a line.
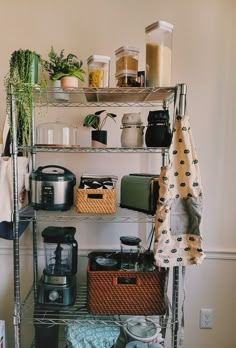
132,130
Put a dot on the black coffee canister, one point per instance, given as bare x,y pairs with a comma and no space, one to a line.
158,133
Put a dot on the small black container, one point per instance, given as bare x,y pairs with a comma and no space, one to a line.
158,133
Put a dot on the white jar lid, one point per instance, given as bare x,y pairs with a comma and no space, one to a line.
127,50
98,58
159,25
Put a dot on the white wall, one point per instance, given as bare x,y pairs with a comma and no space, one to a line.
204,57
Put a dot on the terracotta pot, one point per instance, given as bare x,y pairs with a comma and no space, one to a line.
99,138
69,82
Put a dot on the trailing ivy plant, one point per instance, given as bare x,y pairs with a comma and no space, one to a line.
19,84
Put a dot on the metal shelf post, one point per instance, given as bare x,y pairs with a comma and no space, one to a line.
15,217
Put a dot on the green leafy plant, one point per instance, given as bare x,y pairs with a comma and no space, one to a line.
20,84
95,121
59,66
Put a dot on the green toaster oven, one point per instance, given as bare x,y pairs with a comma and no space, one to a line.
139,192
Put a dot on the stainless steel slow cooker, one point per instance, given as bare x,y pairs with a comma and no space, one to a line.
52,188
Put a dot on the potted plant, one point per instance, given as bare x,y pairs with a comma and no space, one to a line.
97,122
67,69
20,83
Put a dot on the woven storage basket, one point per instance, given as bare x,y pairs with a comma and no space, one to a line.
96,201
125,292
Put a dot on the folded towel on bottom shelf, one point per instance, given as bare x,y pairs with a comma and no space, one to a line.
91,336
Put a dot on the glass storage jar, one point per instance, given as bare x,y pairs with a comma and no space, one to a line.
130,252
158,54
99,71
132,130
127,61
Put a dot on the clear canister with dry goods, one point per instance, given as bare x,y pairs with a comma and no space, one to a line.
158,54
99,71
126,66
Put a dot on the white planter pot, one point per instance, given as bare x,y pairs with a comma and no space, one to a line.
58,93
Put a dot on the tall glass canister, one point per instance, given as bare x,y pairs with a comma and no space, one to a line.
158,54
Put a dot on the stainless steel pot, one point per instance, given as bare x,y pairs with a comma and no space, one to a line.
52,188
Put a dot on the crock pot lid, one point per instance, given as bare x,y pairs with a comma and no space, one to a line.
52,177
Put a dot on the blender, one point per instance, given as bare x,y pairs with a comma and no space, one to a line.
57,285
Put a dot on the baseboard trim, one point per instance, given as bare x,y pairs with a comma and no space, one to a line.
223,254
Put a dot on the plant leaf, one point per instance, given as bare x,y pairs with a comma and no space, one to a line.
99,112
111,115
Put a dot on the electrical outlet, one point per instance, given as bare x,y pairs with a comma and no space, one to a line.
206,318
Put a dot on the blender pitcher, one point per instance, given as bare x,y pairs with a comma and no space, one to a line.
130,252
60,251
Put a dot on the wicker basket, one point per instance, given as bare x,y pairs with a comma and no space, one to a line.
125,292
96,201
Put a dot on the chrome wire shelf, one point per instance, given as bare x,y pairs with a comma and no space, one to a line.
32,313
77,148
119,96
121,215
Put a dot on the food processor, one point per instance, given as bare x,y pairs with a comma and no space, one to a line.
57,285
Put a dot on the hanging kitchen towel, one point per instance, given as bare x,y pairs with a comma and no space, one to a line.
6,187
6,204
178,240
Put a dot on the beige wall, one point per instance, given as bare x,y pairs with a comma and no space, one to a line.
204,57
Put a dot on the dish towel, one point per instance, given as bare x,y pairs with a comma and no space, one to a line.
91,336
6,185
178,240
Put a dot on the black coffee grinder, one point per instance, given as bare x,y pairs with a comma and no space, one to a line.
57,285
